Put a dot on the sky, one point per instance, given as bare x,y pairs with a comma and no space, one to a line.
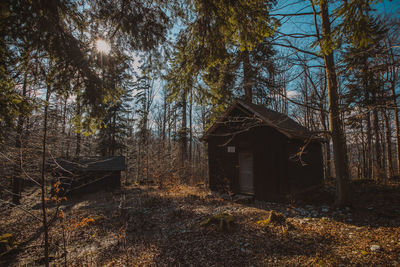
298,24
293,24
305,25
389,7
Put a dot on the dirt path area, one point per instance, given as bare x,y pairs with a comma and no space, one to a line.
140,226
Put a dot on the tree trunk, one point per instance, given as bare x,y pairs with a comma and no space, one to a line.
78,126
183,134
114,126
285,100
325,123
138,165
378,153
43,179
338,138
64,123
369,146
397,125
389,157
307,119
168,132
164,122
147,157
364,150
247,77
190,129
328,172
17,180
68,143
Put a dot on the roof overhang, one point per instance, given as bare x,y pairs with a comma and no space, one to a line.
240,103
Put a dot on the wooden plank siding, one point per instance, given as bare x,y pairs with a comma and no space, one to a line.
276,171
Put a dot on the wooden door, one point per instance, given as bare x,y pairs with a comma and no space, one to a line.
246,179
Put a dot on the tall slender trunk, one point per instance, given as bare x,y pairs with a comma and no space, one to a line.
389,155
164,121
364,150
325,125
183,134
247,77
78,126
327,147
78,144
17,180
64,123
285,101
68,143
359,157
397,124
114,126
138,159
168,130
191,160
306,101
338,137
378,152
147,157
175,127
392,74
43,180
190,130
369,146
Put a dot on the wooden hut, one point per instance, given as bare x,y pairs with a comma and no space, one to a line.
91,174
255,151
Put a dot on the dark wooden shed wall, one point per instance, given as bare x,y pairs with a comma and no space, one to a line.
307,170
89,181
87,175
269,162
94,181
277,172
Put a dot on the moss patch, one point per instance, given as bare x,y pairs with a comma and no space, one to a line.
224,221
7,242
274,218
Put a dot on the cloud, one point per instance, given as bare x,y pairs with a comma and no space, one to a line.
292,94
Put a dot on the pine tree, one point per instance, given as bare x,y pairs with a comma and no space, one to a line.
366,85
225,48
116,126
116,121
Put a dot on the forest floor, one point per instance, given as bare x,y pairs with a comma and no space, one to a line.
140,226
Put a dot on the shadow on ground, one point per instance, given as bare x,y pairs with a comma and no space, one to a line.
140,225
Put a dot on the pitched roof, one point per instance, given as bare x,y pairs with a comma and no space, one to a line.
281,122
116,163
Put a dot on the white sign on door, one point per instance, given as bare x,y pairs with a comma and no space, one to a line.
231,149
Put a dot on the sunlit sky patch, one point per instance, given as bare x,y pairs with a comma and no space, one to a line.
102,46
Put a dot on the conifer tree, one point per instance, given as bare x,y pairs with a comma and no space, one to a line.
365,87
226,48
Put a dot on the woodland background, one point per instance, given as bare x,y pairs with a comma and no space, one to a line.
174,67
